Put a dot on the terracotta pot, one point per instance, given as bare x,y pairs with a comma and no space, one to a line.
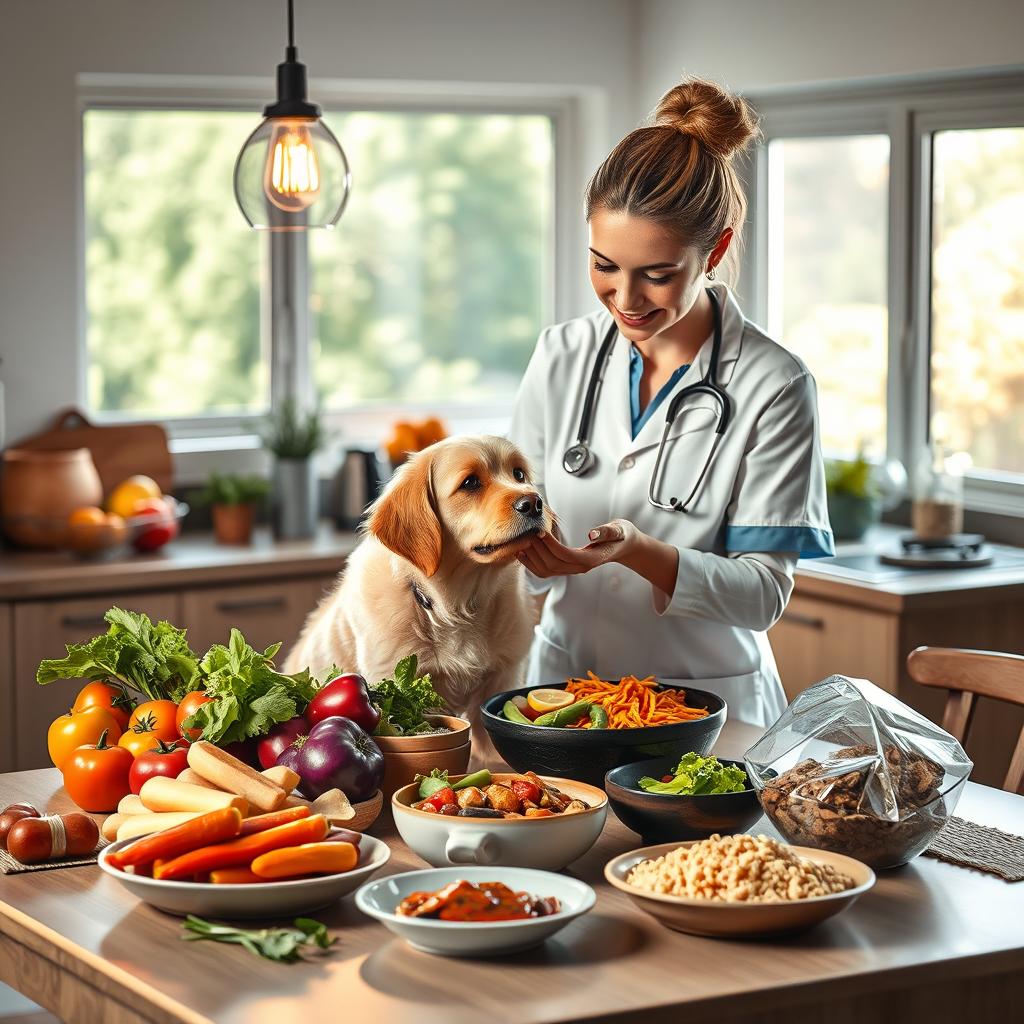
232,524
408,756
41,489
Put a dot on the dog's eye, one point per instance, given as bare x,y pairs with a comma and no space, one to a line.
519,474
471,483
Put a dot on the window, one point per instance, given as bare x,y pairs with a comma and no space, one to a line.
172,273
888,252
435,285
431,291
828,203
977,295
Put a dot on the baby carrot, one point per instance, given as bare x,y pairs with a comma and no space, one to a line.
241,875
207,828
261,822
309,859
244,849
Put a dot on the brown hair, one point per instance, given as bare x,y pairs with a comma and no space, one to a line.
678,169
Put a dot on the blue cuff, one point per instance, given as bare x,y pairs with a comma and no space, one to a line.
810,542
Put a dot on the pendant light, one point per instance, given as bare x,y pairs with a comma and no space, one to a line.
292,174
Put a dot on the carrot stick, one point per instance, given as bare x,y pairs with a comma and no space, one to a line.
246,848
261,822
311,858
241,875
213,827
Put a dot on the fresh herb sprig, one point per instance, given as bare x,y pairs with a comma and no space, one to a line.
403,701
282,944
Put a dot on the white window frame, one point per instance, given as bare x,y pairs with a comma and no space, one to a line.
909,112
579,123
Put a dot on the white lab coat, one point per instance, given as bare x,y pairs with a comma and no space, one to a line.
764,492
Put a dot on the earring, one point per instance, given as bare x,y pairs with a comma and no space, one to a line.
711,273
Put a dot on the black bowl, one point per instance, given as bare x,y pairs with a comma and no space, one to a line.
666,817
587,755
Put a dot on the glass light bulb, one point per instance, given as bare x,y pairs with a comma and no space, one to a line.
291,178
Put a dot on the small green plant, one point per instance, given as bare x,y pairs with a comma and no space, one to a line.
292,434
228,489
850,476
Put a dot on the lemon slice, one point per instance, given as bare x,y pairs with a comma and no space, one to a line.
549,700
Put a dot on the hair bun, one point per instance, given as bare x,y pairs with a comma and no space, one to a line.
720,121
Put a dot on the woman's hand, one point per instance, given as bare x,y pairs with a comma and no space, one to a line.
548,556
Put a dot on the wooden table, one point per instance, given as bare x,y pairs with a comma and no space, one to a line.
931,942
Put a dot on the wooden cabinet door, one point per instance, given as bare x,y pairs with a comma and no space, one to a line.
266,613
815,639
41,629
6,689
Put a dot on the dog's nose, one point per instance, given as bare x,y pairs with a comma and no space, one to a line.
529,505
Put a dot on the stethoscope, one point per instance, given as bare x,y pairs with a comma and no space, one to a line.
578,460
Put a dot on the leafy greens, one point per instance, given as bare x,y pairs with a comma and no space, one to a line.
153,659
249,694
403,701
699,776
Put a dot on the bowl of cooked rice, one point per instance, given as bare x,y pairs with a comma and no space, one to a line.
739,886
634,719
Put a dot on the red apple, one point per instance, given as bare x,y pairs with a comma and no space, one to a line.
345,696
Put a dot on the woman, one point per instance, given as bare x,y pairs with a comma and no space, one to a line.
685,589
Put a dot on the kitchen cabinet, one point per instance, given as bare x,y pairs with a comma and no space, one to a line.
48,600
6,707
42,628
265,613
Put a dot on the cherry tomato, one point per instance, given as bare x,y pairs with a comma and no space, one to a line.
170,760
157,716
75,728
160,525
96,775
112,696
189,703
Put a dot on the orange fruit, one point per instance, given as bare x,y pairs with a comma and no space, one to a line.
130,492
549,700
88,515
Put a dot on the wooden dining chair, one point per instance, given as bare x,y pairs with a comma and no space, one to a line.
968,675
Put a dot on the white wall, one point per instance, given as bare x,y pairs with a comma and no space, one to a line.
44,44
751,45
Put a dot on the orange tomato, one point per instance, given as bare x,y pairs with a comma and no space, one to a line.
87,515
112,696
75,728
157,717
96,775
189,703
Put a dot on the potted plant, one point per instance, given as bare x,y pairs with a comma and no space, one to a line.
293,436
854,501
232,500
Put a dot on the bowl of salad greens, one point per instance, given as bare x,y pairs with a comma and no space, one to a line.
689,797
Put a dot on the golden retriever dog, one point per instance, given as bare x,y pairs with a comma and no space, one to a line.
436,575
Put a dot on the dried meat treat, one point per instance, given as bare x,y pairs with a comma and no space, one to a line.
880,815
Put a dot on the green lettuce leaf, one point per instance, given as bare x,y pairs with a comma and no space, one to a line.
699,776
404,699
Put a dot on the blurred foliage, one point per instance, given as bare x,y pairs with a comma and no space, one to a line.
172,271
229,489
437,281
978,296
850,476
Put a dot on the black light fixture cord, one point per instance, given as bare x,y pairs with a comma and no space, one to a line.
291,31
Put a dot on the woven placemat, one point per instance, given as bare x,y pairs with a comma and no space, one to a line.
11,866
969,845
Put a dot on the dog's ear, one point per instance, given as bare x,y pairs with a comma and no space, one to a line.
404,519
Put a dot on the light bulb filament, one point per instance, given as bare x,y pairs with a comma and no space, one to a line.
295,167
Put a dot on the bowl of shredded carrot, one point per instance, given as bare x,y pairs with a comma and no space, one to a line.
616,722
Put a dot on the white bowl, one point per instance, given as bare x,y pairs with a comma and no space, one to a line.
473,938
263,899
547,843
